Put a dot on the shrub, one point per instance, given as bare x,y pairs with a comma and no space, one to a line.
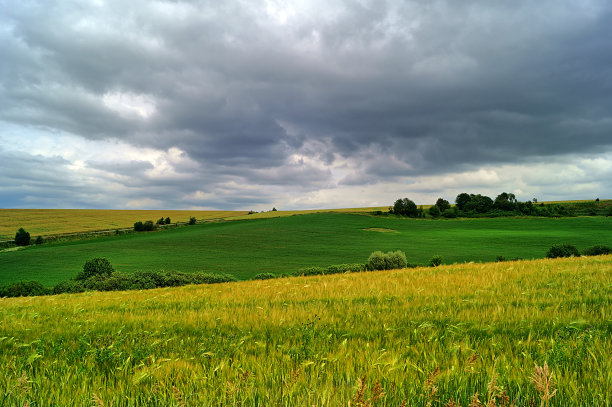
376,261
450,213
98,266
435,261
596,250
192,220
395,260
167,220
311,271
160,221
434,211
139,226
264,276
22,238
149,226
23,289
562,250
386,261
39,240
70,286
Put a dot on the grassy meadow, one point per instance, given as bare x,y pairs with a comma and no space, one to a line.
411,337
286,244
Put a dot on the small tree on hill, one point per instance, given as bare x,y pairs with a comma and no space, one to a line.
98,266
22,238
192,220
167,220
442,204
405,207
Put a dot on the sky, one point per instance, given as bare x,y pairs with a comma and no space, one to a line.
307,104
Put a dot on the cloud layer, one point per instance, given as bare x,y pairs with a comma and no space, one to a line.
246,105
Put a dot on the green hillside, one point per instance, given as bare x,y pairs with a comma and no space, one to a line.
283,245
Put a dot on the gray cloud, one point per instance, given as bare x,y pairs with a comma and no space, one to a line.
391,89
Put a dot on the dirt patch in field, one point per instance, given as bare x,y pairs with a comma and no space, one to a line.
382,230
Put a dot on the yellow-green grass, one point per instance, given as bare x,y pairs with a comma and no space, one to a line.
310,340
46,222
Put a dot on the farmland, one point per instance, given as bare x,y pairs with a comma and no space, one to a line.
384,338
286,244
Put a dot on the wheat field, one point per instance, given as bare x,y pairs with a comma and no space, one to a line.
452,335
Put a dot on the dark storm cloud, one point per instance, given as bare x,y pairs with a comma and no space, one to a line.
400,88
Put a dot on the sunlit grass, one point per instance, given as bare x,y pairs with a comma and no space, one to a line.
370,338
46,222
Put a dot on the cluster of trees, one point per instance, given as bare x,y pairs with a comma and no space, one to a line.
475,205
163,221
22,238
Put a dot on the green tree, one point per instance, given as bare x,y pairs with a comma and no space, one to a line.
505,202
462,200
442,204
22,238
434,211
98,266
405,207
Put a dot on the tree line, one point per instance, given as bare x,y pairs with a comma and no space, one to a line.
477,205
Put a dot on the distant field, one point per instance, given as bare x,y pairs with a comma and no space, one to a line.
286,244
45,222
391,338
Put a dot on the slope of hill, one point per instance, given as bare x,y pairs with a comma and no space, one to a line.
286,244
383,338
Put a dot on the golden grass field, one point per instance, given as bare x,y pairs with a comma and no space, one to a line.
466,333
49,222
46,222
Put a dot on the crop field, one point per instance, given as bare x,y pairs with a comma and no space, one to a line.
286,244
45,222
401,337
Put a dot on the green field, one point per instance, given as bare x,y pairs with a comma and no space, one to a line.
393,338
285,244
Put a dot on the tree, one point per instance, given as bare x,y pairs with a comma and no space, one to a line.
434,211
405,207
505,202
192,220
442,204
479,204
462,200
22,238
39,240
160,221
98,266
167,221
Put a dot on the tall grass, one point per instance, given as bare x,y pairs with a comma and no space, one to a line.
528,332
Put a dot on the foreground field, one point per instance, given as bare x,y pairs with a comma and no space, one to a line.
286,244
383,338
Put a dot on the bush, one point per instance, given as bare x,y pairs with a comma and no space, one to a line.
434,211
192,220
22,238
70,286
562,250
596,250
435,261
395,260
139,226
95,267
450,213
149,226
311,271
264,276
39,240
160,221
376,261
24,289
167,220
386,261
